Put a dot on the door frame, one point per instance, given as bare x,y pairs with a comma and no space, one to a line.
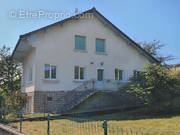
97,73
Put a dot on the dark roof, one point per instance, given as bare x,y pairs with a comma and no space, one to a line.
177,65
93,10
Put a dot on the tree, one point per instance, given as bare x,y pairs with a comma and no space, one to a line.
153,48
154,85
10,71
10,82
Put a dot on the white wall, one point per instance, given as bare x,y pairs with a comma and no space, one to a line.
55,46
28,62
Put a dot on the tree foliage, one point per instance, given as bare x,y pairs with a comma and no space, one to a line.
153,48
10,82
154,85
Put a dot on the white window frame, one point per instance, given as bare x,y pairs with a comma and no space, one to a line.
123,74
50,77
79,73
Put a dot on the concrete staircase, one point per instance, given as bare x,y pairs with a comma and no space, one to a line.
87,89
78,95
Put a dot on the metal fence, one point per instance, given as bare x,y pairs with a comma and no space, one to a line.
59,125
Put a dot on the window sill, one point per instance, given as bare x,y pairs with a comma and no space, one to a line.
79,81
51,80
81,51
101,53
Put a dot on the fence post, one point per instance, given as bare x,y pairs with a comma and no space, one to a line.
48,125
105,127
20,122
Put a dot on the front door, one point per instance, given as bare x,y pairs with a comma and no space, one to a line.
100,79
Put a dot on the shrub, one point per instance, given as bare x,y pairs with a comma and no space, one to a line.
154,86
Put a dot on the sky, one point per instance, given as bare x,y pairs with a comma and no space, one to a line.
141,20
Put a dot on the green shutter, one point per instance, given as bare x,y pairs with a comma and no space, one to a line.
80,43
100,45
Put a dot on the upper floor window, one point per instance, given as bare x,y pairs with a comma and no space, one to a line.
30,75
49,71
100,45
119,74
80,43
79,73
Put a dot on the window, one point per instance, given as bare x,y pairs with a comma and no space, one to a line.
49,99
30,75
80,43
119,74
79,73
100,45
50,72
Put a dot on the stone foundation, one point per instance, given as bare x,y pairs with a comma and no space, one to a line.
55,101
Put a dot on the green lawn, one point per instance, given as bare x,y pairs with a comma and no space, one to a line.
129,123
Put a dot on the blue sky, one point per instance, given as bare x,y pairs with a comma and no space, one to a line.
142,20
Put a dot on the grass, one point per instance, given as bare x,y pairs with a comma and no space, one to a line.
104,101
130,123
85,106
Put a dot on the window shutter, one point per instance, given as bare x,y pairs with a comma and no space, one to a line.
100,45
80,43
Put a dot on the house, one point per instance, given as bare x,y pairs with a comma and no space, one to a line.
176,67
65,62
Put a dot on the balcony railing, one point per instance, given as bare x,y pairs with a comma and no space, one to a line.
108,84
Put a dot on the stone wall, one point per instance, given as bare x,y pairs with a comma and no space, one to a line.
56,101
6,130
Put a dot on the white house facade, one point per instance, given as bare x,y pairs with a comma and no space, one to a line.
75,52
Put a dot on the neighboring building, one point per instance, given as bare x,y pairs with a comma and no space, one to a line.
66,61
176,67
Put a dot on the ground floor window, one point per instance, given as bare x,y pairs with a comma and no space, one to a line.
119,74
49,71
79,73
